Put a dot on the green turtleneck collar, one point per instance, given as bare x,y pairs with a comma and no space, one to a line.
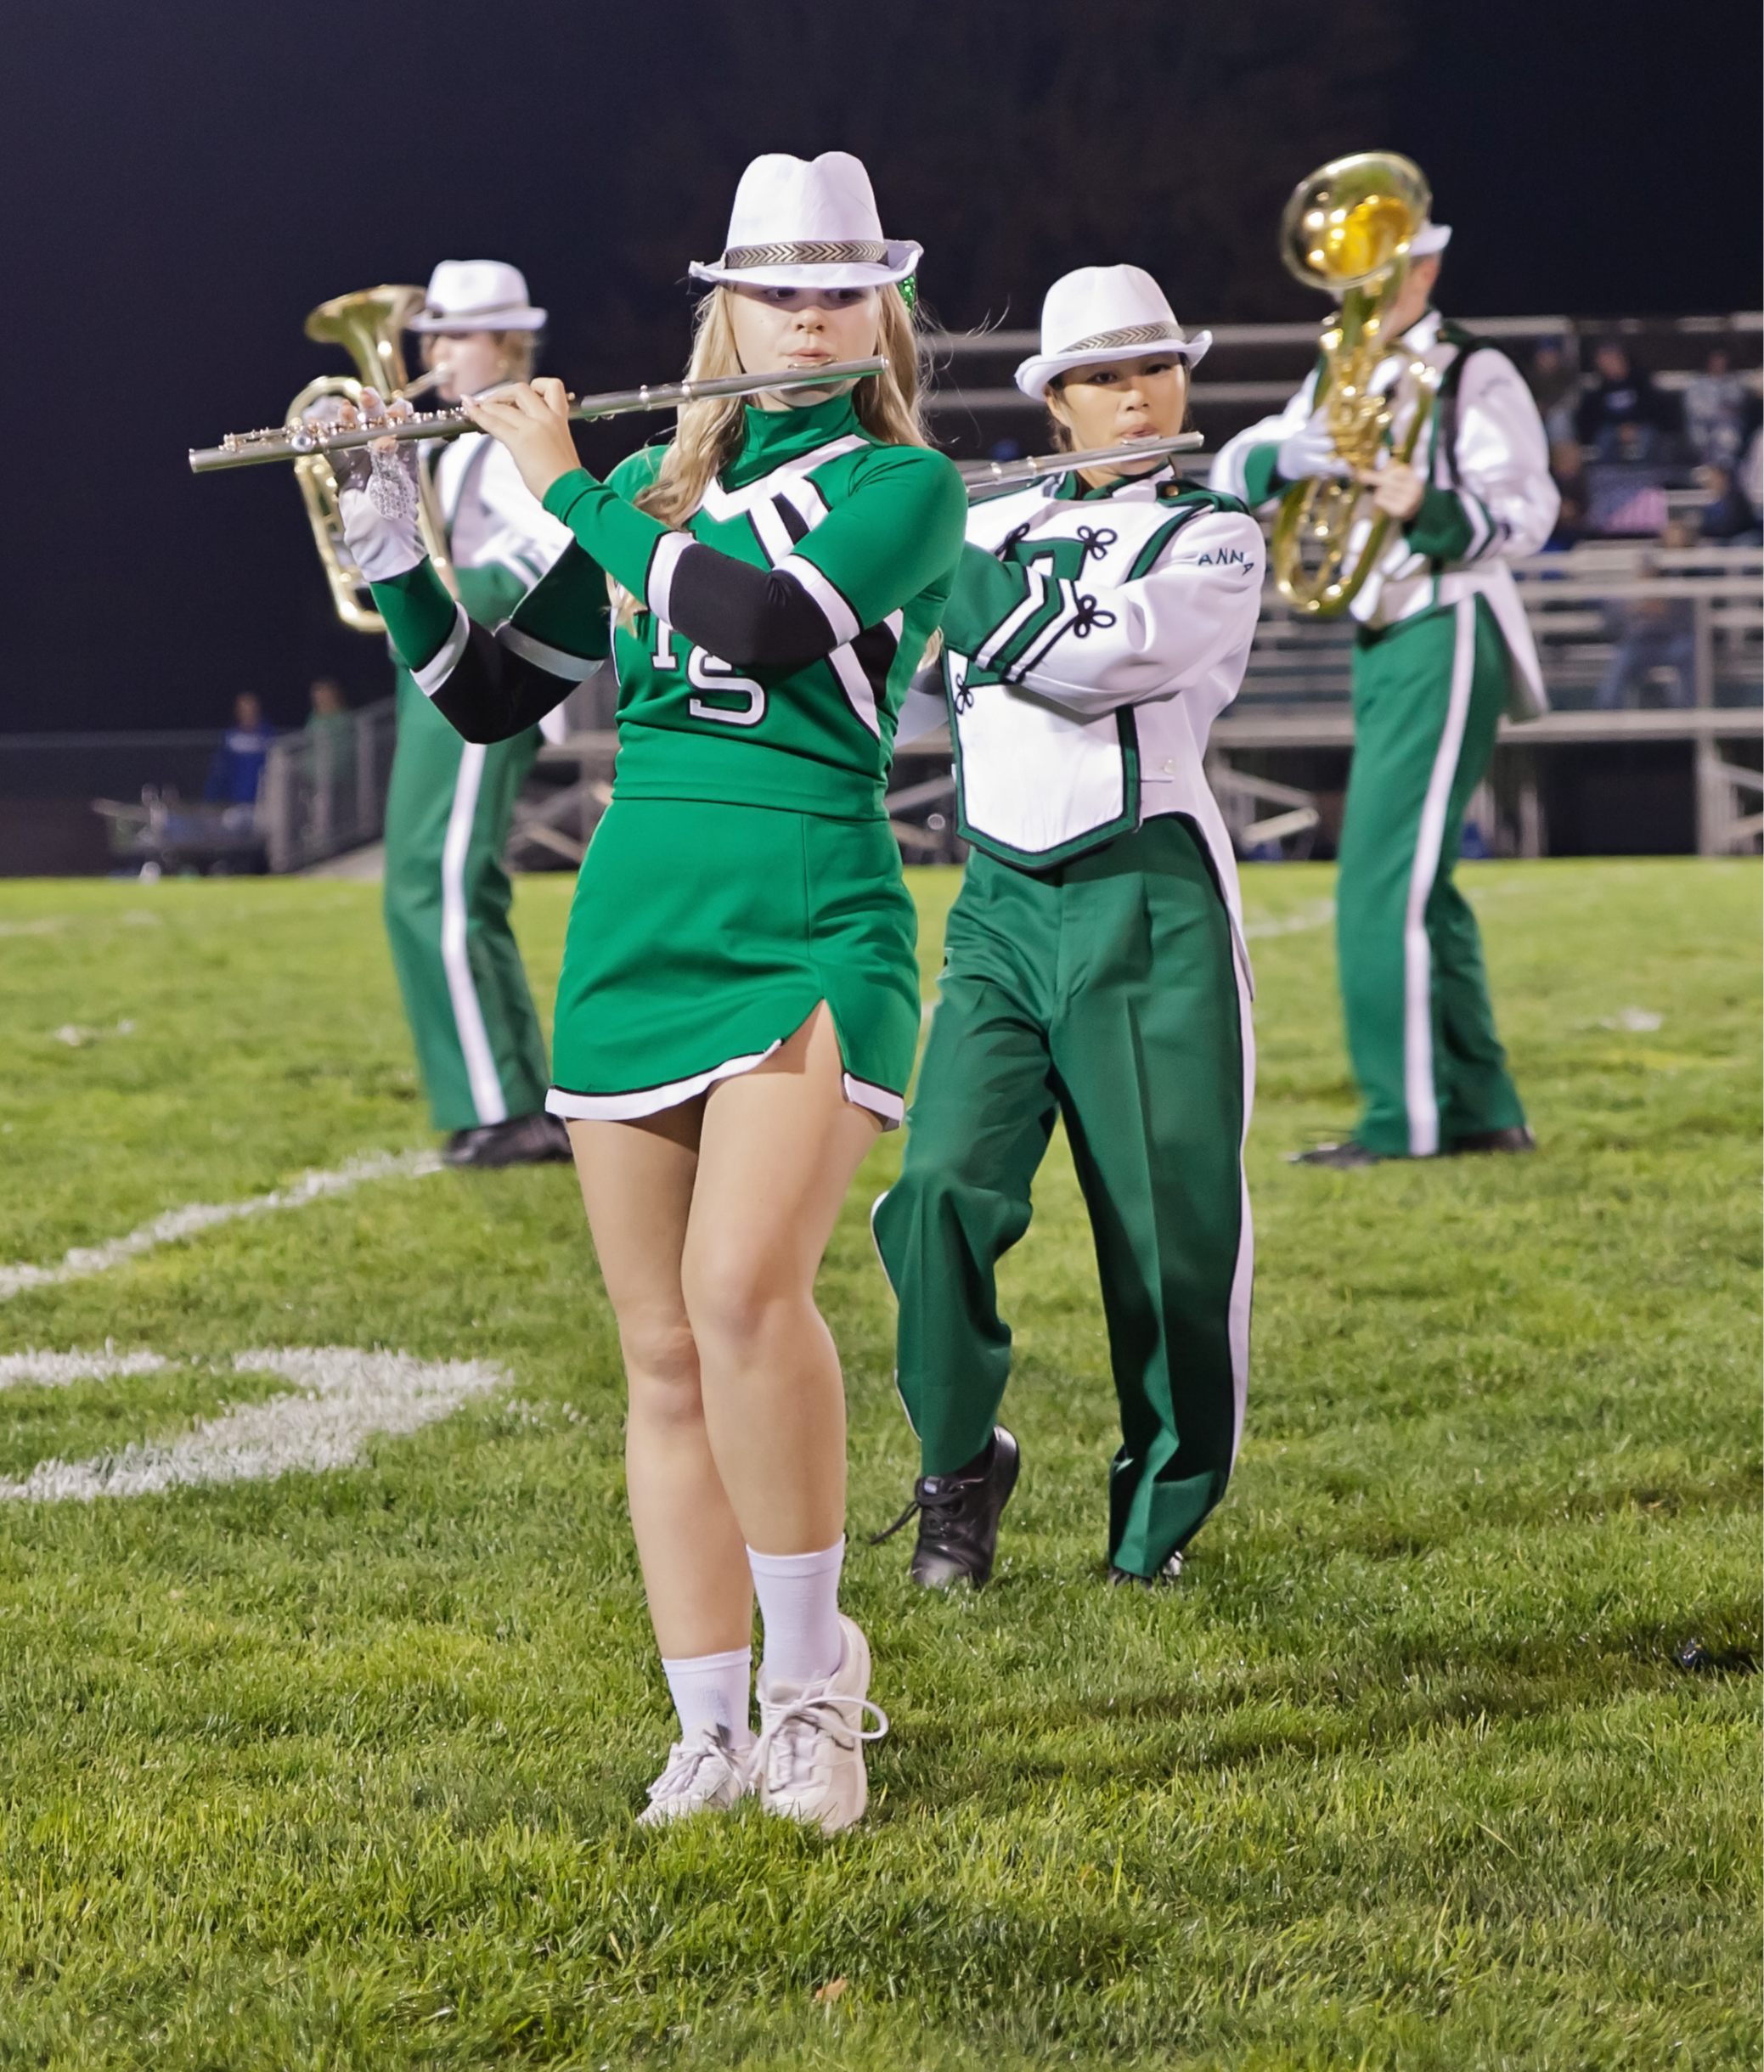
774,437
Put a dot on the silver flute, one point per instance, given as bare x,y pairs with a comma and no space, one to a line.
982,475
245,449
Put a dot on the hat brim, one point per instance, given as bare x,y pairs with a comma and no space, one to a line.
902,262
474,320
1034,375
1430,241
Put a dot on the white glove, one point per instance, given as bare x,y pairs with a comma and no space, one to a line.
380,546
378,499
1311,451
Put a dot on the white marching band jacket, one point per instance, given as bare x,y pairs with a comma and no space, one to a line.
1498,466
1084,671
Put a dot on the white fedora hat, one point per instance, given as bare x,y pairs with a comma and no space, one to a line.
808,223
1431,237
1102,314
477,295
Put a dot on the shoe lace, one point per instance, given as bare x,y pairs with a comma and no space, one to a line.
783,1754
942,1504
685,1759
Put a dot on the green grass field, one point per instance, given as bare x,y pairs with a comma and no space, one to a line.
1445,1754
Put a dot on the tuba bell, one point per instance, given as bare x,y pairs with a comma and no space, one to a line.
368,324
1347,230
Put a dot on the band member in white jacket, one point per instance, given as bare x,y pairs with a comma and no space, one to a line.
1094,966
1441,650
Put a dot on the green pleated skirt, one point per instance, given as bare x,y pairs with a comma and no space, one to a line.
703,935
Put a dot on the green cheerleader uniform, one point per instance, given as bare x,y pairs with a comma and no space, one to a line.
744,870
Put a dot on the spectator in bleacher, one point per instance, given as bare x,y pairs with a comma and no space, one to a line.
1716,406
238,767
1728,520
1569,472
1653,633
1555,382
1624,414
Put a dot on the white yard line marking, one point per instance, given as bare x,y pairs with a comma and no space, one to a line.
345,1398
62,1370
84,1260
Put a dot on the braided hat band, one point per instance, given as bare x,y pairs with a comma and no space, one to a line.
1133,334
849,253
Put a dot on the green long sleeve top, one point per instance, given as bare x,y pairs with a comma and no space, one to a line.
773,636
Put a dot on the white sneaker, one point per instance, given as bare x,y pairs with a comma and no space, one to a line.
706,1774
808,1761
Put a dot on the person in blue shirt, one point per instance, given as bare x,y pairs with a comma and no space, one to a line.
237,766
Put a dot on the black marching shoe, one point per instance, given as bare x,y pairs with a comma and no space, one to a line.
959,1516
1516,1139
525,1140
1347,1158
1171,1572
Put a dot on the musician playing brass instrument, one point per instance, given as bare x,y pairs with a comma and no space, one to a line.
471,1015
1440,647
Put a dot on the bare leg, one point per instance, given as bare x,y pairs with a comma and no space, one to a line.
776,1153
710,1222
637,1187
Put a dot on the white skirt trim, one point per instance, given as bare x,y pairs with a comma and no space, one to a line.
889,1107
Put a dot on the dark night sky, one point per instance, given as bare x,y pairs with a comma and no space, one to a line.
183,184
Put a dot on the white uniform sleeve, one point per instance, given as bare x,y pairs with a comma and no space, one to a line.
1503,463
528,539
923,710
1229,462
1186,626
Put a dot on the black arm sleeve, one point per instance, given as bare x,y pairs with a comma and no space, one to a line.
492,694
747,617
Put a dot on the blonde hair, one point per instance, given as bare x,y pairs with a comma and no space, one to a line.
710,432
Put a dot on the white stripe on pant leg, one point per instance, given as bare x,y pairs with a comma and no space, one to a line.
1420,1094
1243,1273
468,1016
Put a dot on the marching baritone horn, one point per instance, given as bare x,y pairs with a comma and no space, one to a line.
368,324
1347,230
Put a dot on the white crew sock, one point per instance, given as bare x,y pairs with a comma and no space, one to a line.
798,1598
712,1690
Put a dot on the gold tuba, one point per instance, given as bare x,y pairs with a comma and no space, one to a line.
1347,229
368,324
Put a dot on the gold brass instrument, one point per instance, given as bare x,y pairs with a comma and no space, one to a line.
296,441
1347,230
369,325
982,476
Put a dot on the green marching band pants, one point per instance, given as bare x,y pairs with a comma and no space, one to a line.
1428,693
1104,990
471,1016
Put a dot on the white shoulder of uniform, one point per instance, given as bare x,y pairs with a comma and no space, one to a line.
1503,461
1227,473
536,538
990,521
1172,609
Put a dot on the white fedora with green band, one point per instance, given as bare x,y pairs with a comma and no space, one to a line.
808,223
1102,313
